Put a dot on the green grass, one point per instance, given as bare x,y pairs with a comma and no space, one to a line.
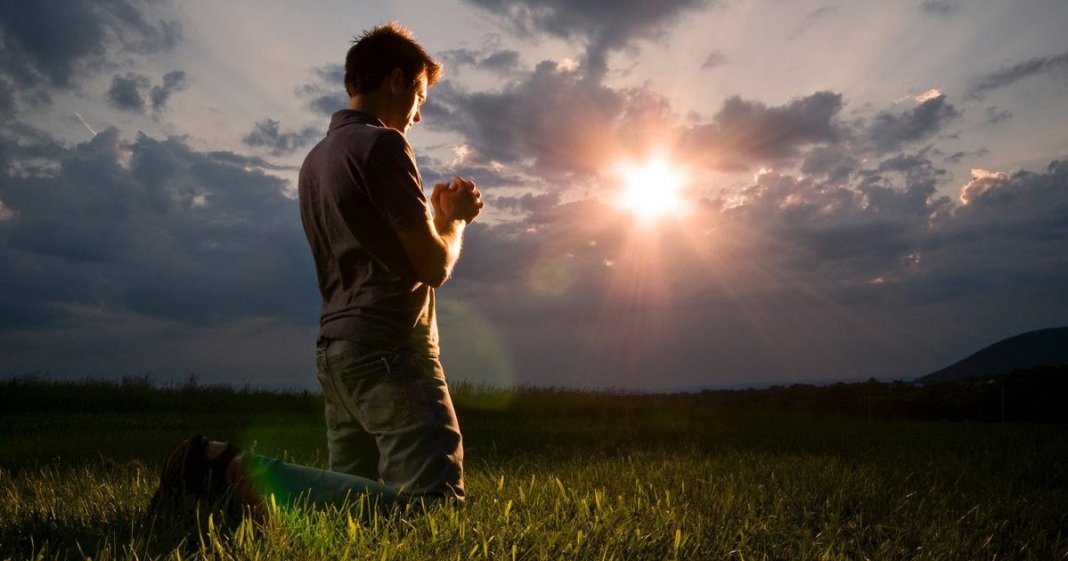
554,475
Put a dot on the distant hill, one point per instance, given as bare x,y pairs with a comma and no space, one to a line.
1045,347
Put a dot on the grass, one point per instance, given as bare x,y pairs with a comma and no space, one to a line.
552,475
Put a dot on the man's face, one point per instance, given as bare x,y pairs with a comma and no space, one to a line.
407,99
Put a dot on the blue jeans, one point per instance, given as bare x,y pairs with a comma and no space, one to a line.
389,418
293,484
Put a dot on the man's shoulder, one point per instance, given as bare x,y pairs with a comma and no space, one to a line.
359,148
348,145
391,142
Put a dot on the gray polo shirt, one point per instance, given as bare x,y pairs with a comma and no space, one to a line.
358,187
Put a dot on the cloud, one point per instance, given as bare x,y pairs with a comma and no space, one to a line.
782,276
147,227
1016,72
266,134
744,134
890,131
51,44
505,61
835,163
552,121
1027,194
604,30
459,57
551,118
6,213
1004,241
818,277
938,7
812,18
132,91
7,98
246,162
501,61
994,115
126,92
533,207
326,92
172,82
715,59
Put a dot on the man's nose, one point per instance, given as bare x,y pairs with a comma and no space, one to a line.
418,116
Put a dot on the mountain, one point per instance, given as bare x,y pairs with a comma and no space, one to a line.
1044,347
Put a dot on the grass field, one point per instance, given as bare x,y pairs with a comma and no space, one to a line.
551,475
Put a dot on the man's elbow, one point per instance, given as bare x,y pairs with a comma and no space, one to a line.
435,272
435,278
431,261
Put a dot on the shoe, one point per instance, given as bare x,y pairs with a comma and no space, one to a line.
188,476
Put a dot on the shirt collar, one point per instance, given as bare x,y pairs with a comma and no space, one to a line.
353,116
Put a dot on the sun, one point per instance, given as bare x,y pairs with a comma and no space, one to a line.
652,189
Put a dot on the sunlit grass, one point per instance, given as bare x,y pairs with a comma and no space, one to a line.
570,475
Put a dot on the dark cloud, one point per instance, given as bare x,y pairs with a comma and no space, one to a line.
478,170
604,29
825,273
1007,237
860,232
133,92
1016,72
51,44
715,59
915,171
459,57
151,228
500,61
127,92
835,163
7,98
243,161
744,133
938,7
266,134
789,274
326,92
958,156
530,205
328,104
552,117
890,131
553,121
995,115
172,82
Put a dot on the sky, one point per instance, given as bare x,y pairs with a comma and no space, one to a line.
871,189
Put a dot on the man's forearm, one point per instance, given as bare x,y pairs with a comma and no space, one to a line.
451,233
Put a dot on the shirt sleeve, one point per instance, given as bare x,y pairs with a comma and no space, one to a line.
393,182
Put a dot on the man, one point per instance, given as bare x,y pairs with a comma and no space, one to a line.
379,255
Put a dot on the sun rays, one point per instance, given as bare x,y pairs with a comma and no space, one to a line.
652,189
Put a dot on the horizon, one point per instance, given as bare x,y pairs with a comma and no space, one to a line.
857,191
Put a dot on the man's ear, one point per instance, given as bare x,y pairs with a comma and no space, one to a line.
396,80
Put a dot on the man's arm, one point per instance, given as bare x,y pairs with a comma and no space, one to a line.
433,246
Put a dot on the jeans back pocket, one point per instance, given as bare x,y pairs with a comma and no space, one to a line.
374,386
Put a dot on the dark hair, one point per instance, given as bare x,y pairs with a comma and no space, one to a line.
378,51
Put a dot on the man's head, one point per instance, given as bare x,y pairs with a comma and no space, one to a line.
388,68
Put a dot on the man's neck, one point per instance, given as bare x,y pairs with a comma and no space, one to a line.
367,104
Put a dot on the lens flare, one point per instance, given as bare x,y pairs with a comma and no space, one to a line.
476,357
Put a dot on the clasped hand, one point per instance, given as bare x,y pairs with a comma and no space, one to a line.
457,200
